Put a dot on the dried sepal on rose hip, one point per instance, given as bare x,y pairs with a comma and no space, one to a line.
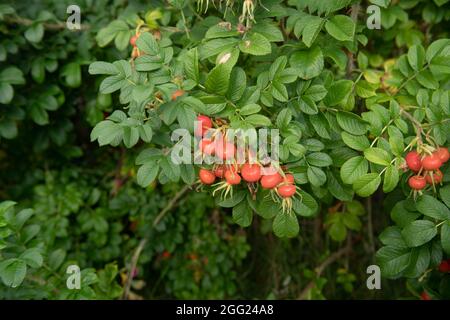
231,178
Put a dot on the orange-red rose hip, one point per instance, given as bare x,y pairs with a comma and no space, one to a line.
413,161
206,176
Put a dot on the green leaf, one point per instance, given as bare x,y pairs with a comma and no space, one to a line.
377,156
38,70
21,218
338,92
237,84
220,31
416,57
243,214
107,34
106,132
216,46
396,140
13,272
402,215
284,118
435,48
256,44
306,206
141,93
277,67
130,136
258,120
12,75
4,207
337,231
341,28
56,258
433,208
279,91
285,225
316,92
6,93
8,128
391,177
427,79
169,169
351,123
218,79
337,189
268,29
111,84
35,33
419,262
146,132
445,237
148,63
265,206
351,221
147,43
316,176
32,257
100,67
147,174
444,192
419,232
191,65
393,260
321,125
187,173
39,115
365,89
309,63
366,184
359,143
307,105
313,25
72,74
391,236
319,159
231,201
250,109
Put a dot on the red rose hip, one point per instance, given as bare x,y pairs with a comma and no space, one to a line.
206,176
417,182
413,161
431,162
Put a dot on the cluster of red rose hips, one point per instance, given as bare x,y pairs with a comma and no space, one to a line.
426,167
281,183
